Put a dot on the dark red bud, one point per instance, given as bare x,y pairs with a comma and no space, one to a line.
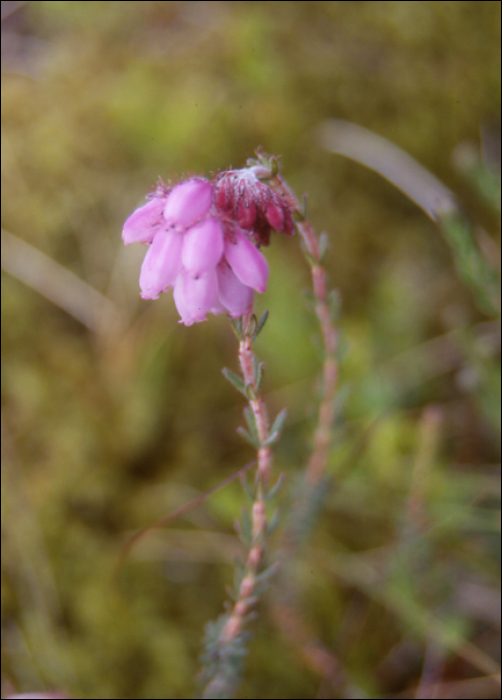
275,216
246,215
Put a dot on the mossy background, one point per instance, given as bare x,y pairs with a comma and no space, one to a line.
109,428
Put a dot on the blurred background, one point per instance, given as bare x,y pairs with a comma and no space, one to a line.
114,414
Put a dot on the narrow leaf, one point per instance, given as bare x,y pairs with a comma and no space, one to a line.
250,392
310,259
304,205
235,380
250,328
238,575
237,326
263,577
273,437
273,522
258,371
323,245
274,490
279,421
300,213
249,438
275,430
260,324
251,421
246,529
250,493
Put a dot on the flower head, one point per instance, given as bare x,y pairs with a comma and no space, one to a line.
203,239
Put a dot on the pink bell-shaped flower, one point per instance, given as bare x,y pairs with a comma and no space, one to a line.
246,261
188,202
195,296
235,297
143,223
162,263
202,246
203,239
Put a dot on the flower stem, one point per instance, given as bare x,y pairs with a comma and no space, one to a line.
245,598
225,649
322,436
285,609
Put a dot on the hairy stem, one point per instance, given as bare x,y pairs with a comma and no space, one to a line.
226,649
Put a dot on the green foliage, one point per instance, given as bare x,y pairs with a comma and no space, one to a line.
235,380
227,660
471,264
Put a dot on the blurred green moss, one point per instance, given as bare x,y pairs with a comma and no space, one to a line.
107,430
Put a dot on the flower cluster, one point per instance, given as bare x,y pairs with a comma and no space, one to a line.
203,237
253,204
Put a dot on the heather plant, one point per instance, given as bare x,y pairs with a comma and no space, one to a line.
203,238
204,241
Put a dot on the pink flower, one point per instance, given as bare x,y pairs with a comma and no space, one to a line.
246,261
143,223
203,239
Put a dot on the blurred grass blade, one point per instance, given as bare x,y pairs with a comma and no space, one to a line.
429,193
392,163
57,284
